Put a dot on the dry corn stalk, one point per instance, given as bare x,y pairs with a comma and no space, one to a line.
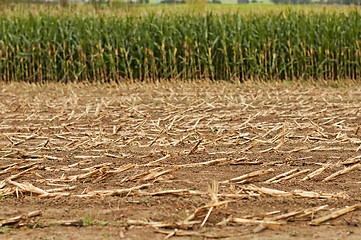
272,149
312,211
110,173
207,163
292,176
343,171
9,169
184,192
316,172
213,191
102,165
202,209
250,175
69,167
154,175
195,147
13,177
28,187
177,232
10,165
156,170
112,192
158,160
175,191
299,193
352,160
156,138
309,194
301,213
262,216
282,175
19,218
60,189
7,191
102,171
245,221
243,162
334,215
357,130
268,191
182,224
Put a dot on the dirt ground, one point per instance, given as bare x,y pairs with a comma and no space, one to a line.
179,161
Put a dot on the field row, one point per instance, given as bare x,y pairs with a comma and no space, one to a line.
284,44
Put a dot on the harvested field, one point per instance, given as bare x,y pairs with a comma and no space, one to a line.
179,160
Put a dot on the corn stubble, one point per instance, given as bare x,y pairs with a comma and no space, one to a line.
287,44
116,146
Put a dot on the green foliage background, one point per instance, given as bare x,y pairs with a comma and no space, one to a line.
285,44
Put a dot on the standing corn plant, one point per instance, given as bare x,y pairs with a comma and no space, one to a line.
287,44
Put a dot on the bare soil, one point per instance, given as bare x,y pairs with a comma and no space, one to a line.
107,161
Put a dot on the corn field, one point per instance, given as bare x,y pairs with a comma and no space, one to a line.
284,44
